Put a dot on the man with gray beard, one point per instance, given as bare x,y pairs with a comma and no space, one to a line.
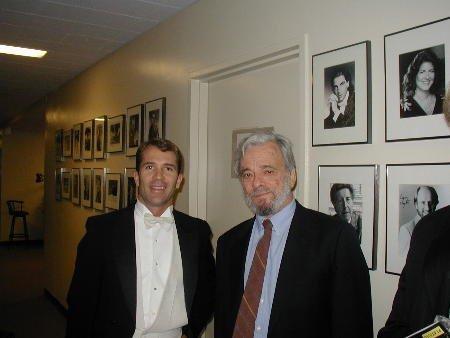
289,271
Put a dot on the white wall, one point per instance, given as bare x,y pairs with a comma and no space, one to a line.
159,63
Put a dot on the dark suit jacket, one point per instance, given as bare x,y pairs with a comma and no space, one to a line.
346,120
323,287
424,286
102,295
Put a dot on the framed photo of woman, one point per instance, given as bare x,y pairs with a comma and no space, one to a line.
416,73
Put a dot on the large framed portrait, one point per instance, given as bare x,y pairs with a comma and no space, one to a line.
236,138
86,187
129,191
113,190
134,129
59,145
58,187
76,186
155,119
413,191
77,141
67,143
350,193
66,182
98,189
114,134
99,137
88,140
341,88
415,75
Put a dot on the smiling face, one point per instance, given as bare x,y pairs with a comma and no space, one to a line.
157,179
425,76
266,182
340,87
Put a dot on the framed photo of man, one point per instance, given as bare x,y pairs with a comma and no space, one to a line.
129,191
134,129
155,119
58,186
413,191
76,186
114,135
98,189
67,143
350,193
66,179
86,188
77,144
88,140
341,91
416,73
113,190
59,145
99,137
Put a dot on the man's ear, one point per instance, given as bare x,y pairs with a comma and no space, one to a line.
179,180
136,178
292,179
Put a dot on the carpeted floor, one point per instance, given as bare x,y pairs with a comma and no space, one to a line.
24,310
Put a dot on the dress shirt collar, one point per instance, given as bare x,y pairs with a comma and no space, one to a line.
281,221
141,210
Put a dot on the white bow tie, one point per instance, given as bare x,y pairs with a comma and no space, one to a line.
150,220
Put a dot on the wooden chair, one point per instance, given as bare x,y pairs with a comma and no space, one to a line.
15,210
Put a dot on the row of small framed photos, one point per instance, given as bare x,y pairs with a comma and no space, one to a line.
88,140
95,188
412,190
415,67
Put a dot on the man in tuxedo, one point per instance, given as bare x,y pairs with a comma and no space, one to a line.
341,100
289,271
147,270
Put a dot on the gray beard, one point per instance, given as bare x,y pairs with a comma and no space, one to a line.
276,204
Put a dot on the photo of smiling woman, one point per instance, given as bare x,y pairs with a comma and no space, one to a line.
422,83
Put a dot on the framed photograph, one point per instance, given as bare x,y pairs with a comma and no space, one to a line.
350,192
86,188
415,75
77,133
134,128
59,145
341,88
66,179
99,189
76,186
115,134
113,190
58,188
155,119
67,143
88,140
412,191
129,192
236,138
99,137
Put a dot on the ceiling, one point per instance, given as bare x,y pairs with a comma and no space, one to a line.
76,34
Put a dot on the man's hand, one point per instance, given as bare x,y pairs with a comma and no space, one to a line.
333,100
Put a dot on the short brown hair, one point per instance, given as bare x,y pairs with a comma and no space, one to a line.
163,145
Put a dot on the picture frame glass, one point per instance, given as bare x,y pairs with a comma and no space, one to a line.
134,129
98,189
77,141
99,137
86,188
154,119
88,140
115,134
113,190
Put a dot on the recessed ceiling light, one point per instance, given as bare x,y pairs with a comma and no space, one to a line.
34,53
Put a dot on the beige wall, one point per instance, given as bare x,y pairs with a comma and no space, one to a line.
159,63
23,157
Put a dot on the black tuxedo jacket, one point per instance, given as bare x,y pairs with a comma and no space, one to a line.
102,295
323,286
424,286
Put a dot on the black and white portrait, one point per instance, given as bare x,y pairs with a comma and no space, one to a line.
347,204
87,188
153,130
131,191
76,143
99,138
422,82
87,139
133,131
340,96
114,133
98,188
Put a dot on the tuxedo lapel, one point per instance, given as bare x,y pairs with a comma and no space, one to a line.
124,247
188,249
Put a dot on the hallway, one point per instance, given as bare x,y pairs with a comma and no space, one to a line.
24,309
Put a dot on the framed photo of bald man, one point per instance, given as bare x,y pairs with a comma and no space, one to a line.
413,191
350,193
341,90
416,74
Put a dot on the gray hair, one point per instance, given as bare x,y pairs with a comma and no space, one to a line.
256,139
